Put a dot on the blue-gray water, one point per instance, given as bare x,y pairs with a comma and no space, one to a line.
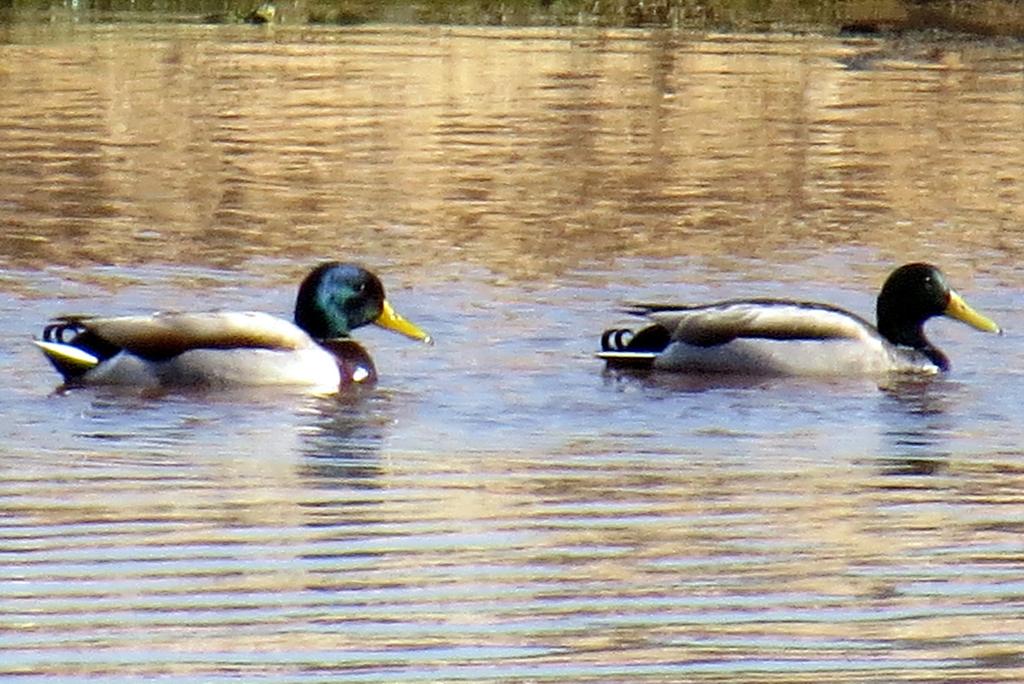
499,508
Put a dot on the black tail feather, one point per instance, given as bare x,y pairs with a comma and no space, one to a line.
72,330
653,338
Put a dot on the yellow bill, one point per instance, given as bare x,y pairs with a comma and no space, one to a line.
390,319
959,309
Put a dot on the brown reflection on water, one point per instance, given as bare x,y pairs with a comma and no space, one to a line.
527,152
497,492
584,562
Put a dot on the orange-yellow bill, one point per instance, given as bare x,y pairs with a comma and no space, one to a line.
959,309
390,319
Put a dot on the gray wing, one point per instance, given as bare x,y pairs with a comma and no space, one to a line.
723,322
164,335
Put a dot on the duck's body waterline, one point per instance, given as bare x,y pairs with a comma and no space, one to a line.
785,337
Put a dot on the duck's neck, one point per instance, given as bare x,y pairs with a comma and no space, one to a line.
912,336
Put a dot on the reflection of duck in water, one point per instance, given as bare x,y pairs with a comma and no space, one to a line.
785,337
264,13
234,348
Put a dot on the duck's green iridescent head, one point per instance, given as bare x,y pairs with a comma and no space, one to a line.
337,298
912,294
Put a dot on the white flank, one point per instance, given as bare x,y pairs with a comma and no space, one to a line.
794,357
310,367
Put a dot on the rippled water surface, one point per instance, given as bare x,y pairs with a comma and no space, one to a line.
499,508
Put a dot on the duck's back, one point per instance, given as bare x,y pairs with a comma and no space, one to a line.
165,335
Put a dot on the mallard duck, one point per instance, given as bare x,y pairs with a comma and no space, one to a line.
783,337
234,348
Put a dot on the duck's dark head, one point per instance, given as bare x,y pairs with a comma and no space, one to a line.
337,298
912,294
